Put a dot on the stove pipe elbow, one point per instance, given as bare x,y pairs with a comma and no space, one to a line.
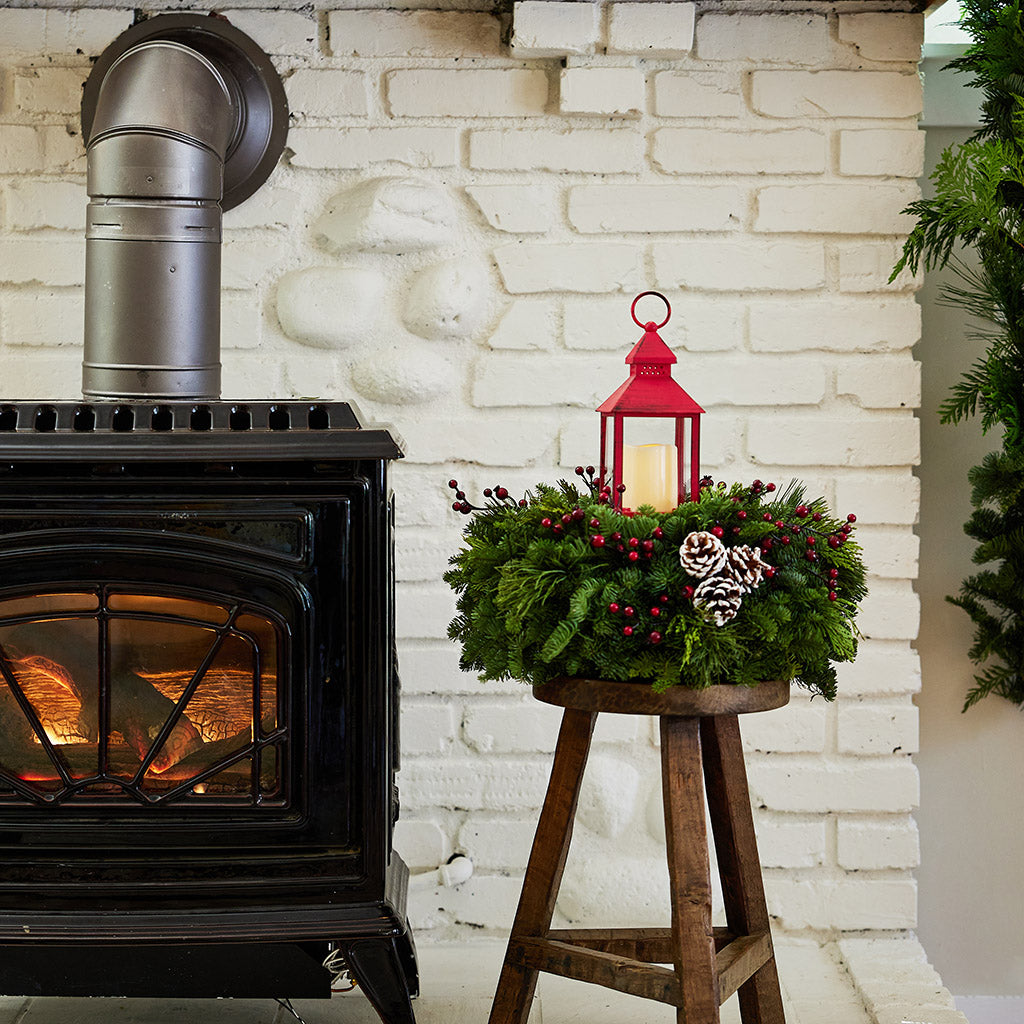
164,120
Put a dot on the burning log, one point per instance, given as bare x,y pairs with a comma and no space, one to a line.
138,710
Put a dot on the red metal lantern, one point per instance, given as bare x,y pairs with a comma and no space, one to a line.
658,475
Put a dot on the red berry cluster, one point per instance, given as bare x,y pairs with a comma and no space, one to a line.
558,527
598,488
757,487
633,623
810,537
802,530
498,492
632,547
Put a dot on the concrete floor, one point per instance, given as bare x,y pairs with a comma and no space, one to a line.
457,986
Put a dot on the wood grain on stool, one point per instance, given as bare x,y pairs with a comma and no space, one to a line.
700,743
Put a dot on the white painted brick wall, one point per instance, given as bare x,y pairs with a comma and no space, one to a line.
21,149
352,148
714,151
319,93
881,668
805,782
474,783
43,317
696,94
752,165
855,904
836,325
32,261
568,266
514,92
654,30
427,33
866,267
625,208
32,205
898,153
789,841
422,844
891,552
241,325
588,150
543,29
498,844
800,727
764,38
834,209
894,383
48,90
873,497
427,728
284,33
721,266
890,612
883,37
605,91
866,845
877,729
896,982
821,94
527,726
700,325
520,209
843,441
35,33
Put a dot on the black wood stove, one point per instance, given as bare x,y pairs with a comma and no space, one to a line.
198,703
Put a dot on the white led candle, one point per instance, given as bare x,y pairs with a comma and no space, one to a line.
649,473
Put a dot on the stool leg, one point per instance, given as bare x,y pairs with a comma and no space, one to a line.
516,986
736,847
689,872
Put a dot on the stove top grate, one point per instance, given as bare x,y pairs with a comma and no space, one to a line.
136,429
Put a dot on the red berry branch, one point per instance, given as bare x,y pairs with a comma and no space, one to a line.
499,493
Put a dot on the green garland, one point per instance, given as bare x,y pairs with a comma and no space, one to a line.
979,202
562,584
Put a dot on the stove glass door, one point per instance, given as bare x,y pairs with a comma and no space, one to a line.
116,694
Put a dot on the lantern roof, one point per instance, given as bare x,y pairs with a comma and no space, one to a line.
650,390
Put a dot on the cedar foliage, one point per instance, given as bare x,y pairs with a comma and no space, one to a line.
533,605
979,203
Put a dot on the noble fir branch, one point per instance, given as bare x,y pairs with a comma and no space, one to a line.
994,59
969,205
998,479
978,203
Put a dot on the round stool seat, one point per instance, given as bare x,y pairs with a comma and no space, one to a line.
637,698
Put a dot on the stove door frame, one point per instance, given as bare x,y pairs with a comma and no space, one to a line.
298,852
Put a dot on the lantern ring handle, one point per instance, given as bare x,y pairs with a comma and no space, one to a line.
668,307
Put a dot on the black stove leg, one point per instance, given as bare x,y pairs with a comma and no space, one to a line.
385,969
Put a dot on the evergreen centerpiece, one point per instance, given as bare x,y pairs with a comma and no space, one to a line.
737,586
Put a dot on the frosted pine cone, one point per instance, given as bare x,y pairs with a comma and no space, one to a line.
744,565
719,598
702,554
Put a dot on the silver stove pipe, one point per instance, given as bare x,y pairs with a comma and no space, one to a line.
165,117
183,116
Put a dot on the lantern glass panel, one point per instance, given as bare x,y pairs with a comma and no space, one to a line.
652,460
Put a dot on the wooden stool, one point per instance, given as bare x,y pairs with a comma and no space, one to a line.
700,740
